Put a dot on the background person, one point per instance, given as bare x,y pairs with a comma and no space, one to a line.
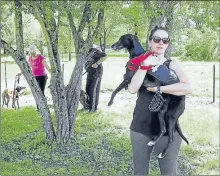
94,71
38,64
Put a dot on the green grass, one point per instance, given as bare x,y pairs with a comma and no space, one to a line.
95,150
101,145
18,123
201,127
118,55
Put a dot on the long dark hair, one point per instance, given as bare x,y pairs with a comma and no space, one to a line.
155,29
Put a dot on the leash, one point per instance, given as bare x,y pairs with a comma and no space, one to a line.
84,73
5,76
16,83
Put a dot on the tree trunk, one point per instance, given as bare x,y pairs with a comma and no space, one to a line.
104,40
164,20
169,26
57,87
69,56
50,30
20,59
81,49
65,99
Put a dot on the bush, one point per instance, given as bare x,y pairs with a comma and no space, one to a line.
202,45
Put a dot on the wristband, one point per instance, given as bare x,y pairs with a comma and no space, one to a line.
158,90
145,67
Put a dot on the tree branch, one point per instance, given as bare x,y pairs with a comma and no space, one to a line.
72,24
85,17
99,22
8,49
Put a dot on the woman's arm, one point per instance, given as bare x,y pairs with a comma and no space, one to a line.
46,65
181,88
137,81
139,76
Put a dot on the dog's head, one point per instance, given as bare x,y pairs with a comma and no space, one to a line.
125,41
19,88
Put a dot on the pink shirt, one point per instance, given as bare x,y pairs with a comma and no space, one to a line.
37,66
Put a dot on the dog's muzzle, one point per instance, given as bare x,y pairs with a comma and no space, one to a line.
157,101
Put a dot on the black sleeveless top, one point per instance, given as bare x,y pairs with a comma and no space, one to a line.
144,121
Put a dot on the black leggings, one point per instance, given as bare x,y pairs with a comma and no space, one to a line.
93,84
93,90
42,80
142,153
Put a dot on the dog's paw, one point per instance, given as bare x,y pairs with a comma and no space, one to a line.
160,155
151,143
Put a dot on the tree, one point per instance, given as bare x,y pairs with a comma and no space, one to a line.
65,41
112,24
65,98
162,16
7,27
20,58
193,21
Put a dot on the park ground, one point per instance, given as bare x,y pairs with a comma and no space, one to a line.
101,145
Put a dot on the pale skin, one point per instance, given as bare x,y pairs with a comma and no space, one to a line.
181,88
95,65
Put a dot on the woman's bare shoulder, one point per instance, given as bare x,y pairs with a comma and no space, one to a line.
175,65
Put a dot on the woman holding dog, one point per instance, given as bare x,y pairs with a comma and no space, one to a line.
144,126
38,64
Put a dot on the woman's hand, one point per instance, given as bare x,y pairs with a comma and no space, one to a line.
152,89
181,88
151,60
95,65
46,65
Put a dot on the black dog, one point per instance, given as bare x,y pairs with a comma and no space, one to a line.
131,43
14,95
172,107
5,98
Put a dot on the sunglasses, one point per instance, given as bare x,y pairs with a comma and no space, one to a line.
158,39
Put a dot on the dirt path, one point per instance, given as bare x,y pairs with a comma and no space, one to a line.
124,98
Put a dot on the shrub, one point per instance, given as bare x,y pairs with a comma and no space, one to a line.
202,45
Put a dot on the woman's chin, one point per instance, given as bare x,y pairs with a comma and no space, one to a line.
158,53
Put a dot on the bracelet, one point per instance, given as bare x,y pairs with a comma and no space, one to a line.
145,67
158,90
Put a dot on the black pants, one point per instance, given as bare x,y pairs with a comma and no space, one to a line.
93,83
142,153
42,80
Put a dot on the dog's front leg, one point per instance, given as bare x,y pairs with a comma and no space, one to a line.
118,89
8,99
17,99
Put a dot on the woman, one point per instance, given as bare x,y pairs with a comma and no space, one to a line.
94,78
38,64
144,126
